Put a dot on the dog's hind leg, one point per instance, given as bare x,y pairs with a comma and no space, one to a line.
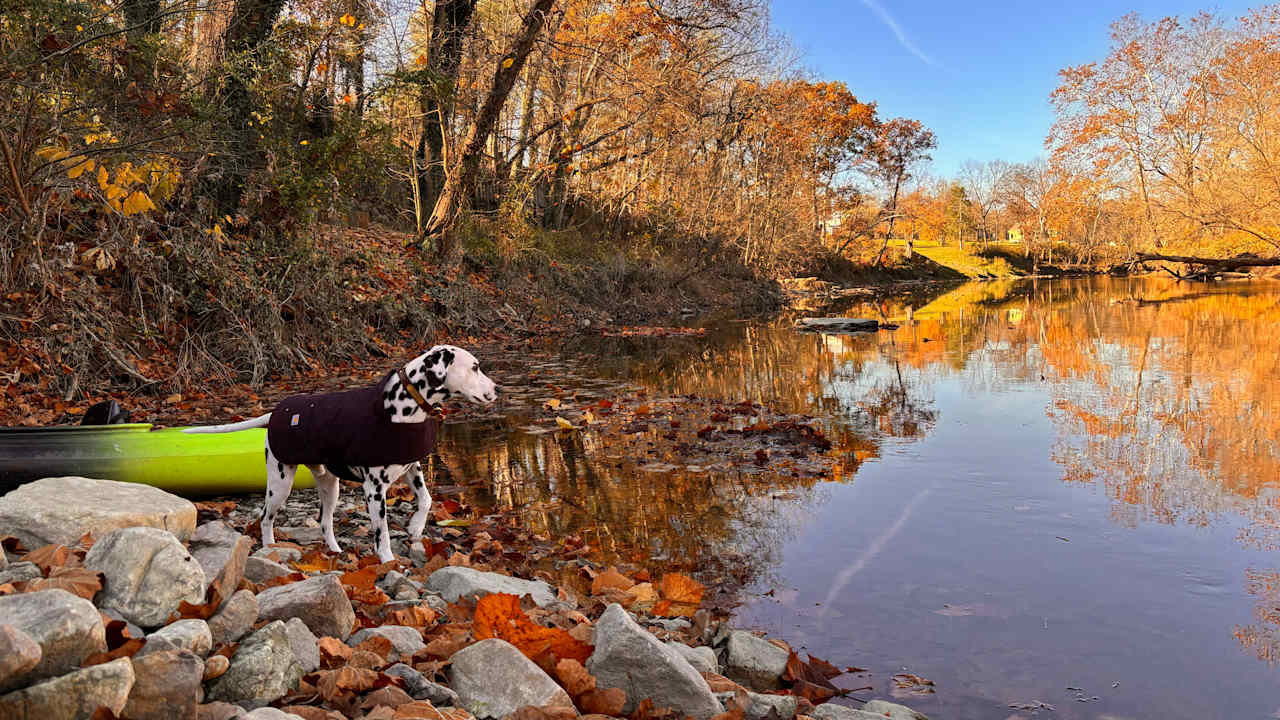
327,488
376,482
279,485
419,519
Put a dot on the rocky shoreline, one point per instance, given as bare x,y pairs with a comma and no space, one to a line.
123,601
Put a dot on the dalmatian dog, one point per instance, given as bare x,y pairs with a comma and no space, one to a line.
372,435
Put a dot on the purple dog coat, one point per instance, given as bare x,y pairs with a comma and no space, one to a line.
341,430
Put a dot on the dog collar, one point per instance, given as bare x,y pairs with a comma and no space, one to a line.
417,396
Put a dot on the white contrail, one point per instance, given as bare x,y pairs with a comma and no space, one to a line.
843,577
897,31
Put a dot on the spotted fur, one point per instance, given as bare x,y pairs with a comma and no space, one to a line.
441,373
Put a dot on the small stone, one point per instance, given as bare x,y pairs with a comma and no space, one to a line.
19,654
235,618
319,601
407,593
831,711
268,713
703,659
893,711
222,554
754,662
219,711
671,624
261,570
215,667
303,644
192,635
494,679
405,641
20,572
263,669
66,627
762,705
166,685
420,688
455,583
74,696
147,574
4,559
286,554
629,657
62,509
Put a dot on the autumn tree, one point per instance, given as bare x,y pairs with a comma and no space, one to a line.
900,144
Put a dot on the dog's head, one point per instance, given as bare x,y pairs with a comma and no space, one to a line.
447,371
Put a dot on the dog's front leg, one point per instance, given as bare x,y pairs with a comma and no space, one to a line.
375,498
419,519
327,489
279,484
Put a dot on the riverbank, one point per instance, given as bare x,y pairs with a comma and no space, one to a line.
127,598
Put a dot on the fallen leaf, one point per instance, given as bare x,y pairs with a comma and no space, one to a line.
499,616
610,579
48,556
75,580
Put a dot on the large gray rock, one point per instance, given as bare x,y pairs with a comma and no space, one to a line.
19,654
260,569
60,510
20,572
191,635
420,688
629,657
262,670
494,679
74,696
235,618
455,583
4,559
703,659
220,711
268,713
147,574
67,628
831,711
754,662
222,554
166,685
319,601
303,643
405,641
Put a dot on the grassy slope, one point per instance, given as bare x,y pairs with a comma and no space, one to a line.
1003,263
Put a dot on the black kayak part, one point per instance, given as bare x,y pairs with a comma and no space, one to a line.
107,412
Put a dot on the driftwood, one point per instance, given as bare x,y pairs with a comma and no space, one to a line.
1204,269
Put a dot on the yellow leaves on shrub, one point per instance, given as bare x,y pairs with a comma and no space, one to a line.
348,19
137,202
80,168
681,596
499,616
508,63
51,153
104,178
563,424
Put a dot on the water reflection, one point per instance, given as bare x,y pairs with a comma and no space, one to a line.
1162,396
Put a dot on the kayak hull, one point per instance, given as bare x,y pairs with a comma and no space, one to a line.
192,465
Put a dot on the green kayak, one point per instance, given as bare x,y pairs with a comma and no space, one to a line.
185,464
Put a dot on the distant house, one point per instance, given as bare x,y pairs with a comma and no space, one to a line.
829,226
1014,234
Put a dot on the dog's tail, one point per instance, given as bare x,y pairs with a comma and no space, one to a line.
260,421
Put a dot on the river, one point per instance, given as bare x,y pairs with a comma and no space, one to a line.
1046,493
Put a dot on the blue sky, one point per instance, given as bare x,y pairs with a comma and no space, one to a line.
978,74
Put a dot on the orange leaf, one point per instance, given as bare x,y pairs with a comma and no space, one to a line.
332,683
574,678
418,616
333,651
606,701
681,595
77,581
314,561
499,615
48,556
362,579
610,579
377,645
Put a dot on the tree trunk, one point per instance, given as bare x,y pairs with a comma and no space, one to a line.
251,23
462,177
449,27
